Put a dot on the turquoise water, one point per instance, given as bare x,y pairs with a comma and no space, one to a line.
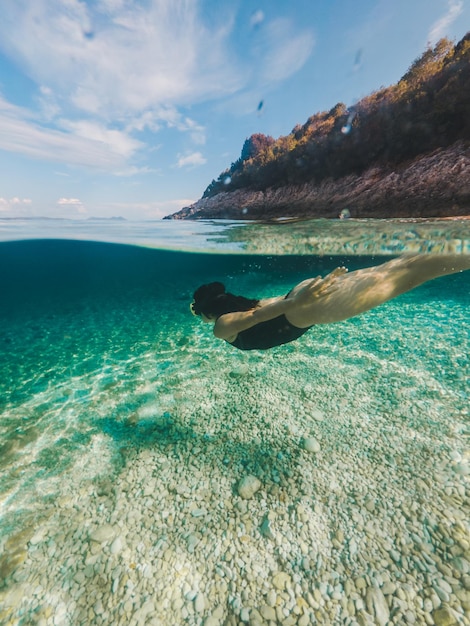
126,429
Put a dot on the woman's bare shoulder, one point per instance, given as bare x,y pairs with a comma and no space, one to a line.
229,325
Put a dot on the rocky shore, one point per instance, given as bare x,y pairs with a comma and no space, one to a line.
436,184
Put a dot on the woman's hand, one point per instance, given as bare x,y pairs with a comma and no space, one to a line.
319,287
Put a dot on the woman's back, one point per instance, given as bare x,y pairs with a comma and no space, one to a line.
270,334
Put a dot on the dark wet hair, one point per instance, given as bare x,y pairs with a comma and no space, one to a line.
212,299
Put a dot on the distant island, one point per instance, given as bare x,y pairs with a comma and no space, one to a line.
401,152
107,219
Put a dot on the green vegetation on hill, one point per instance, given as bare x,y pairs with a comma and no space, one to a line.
427,109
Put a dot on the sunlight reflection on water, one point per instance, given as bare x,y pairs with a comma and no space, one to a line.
290,236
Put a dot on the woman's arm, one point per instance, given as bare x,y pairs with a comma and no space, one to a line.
230,324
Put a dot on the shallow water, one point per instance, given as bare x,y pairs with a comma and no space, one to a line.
126,429
285,236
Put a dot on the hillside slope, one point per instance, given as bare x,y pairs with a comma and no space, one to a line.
403,151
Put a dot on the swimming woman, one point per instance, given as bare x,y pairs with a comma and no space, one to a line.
250,324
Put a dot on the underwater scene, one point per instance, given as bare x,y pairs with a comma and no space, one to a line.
151,474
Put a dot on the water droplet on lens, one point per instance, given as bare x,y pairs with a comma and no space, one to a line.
346,129
257,18
227,180
357,60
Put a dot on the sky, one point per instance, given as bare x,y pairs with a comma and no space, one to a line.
131,107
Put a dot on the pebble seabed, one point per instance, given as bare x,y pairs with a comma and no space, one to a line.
325,482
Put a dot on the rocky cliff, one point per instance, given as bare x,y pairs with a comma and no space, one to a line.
436,184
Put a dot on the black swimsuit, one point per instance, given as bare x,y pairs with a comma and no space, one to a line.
268,334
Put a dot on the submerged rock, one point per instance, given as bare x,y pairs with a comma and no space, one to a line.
199,603
117,546
444,617
310,444
248,486
238,372
281,581
317,415
463,468
9,562
377,605
265,528
103,534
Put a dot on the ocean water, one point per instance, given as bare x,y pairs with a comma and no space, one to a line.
127,429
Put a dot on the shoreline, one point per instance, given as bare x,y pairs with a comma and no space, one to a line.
434,185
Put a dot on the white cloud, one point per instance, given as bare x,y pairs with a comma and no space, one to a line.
118,142
80,143
86,142
73,205
440,28
132,170
191,160
286,51
115,58
74,201
108,71
4,202
112,58
257,18
15,206
279,51
74,208
20,200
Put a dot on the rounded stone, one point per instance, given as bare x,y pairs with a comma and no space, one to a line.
268,613
463,469
103,534
444,617
245,614
271,598
310,444
116,546
377,605
248,486
317,415
281,580
199,603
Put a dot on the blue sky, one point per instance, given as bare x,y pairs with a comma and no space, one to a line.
132,107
